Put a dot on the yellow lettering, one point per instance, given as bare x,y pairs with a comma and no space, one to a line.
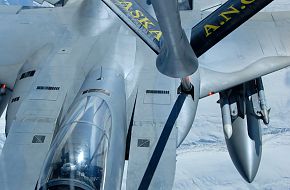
232,11
145,22
136,14
209,29
127,5
246,2
156,33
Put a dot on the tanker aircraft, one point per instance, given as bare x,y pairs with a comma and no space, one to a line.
91,83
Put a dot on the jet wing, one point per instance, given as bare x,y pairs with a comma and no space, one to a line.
214,81
247,45
257,48
9,65
28,40
139,20
25,33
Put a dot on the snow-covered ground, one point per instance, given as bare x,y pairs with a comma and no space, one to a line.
203,161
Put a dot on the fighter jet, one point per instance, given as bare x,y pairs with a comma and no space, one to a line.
90,84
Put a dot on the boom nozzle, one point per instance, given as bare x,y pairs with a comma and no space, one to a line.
176,58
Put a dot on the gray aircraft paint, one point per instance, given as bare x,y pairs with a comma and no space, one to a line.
89,38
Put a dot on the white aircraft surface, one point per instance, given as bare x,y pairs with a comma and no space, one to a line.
84,79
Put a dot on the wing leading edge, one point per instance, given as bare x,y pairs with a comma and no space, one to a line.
249,51
214,81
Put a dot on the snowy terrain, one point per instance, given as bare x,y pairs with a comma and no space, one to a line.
203,161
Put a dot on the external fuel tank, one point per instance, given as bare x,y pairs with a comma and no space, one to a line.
242,109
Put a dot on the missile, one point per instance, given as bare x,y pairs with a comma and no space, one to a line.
242,133
226,116
262,100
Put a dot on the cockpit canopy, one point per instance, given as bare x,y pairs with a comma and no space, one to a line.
77,158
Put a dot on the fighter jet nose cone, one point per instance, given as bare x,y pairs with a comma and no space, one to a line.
177,60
